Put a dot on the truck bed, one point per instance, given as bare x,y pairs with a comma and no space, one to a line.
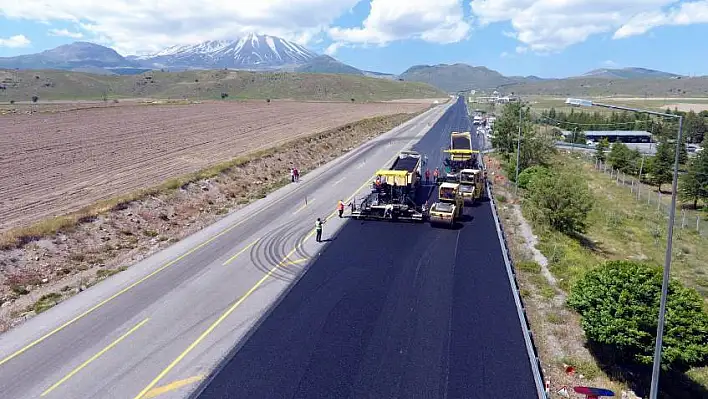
408,164
461,143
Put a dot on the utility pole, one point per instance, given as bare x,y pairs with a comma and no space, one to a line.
518,150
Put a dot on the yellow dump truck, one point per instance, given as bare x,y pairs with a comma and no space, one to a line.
448,209
471,184
460,156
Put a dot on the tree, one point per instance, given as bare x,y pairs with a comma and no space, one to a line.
602,146
529,174
619,304
662,165
619,156
689,186
683,151
560,199
694,184
506,128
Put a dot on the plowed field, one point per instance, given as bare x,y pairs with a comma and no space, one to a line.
51,164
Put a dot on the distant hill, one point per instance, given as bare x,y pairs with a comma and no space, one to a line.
75,56
457,77
327,64
591,87
628,73
195,85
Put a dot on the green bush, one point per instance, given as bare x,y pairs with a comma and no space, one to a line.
619,305
560,199
528,174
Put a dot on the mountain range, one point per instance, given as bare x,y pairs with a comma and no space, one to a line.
269,53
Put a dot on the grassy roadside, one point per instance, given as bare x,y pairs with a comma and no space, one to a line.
56,259
549,263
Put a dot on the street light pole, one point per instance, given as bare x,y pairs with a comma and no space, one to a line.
518,150
656,367
665,280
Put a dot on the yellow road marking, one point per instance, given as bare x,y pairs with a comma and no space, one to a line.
172,386
231,259
94,357
123,291
295,262
213,326
233,307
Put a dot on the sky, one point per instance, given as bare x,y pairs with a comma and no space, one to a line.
546,38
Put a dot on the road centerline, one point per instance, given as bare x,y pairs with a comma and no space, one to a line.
245,296
94,357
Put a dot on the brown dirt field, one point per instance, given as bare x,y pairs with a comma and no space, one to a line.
73,259
52,164
687,107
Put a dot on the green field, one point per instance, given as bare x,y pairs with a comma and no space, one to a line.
20,86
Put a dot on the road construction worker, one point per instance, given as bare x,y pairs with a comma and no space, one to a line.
340,207
318,229
388,211
427,176
436,174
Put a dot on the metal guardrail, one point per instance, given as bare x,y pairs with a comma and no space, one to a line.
534,359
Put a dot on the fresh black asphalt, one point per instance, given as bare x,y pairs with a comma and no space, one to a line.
392,310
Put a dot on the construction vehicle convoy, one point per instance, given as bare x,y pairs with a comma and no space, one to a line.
394,191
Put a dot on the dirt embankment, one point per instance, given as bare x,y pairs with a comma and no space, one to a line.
52,164
40,273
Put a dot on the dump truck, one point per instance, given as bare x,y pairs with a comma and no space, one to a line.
460,156
449,207
471,184
393,192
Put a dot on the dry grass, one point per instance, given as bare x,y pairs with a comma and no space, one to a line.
205,85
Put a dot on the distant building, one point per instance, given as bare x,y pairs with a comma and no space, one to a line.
624,136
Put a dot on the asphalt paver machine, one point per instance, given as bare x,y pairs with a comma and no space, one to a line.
393,194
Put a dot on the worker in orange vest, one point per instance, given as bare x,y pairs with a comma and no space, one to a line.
340,207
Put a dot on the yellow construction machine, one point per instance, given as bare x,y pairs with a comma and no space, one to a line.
471,184
449,207
394,192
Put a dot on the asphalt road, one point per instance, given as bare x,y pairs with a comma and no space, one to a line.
391,310
159,327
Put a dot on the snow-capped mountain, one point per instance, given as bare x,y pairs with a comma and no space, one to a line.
250,52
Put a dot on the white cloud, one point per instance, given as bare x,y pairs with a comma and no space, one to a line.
504,54
685,14
16,41
66,33
145,26
609,63
440,21
332,48
546,26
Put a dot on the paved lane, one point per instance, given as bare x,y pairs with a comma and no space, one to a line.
392,310
173,316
